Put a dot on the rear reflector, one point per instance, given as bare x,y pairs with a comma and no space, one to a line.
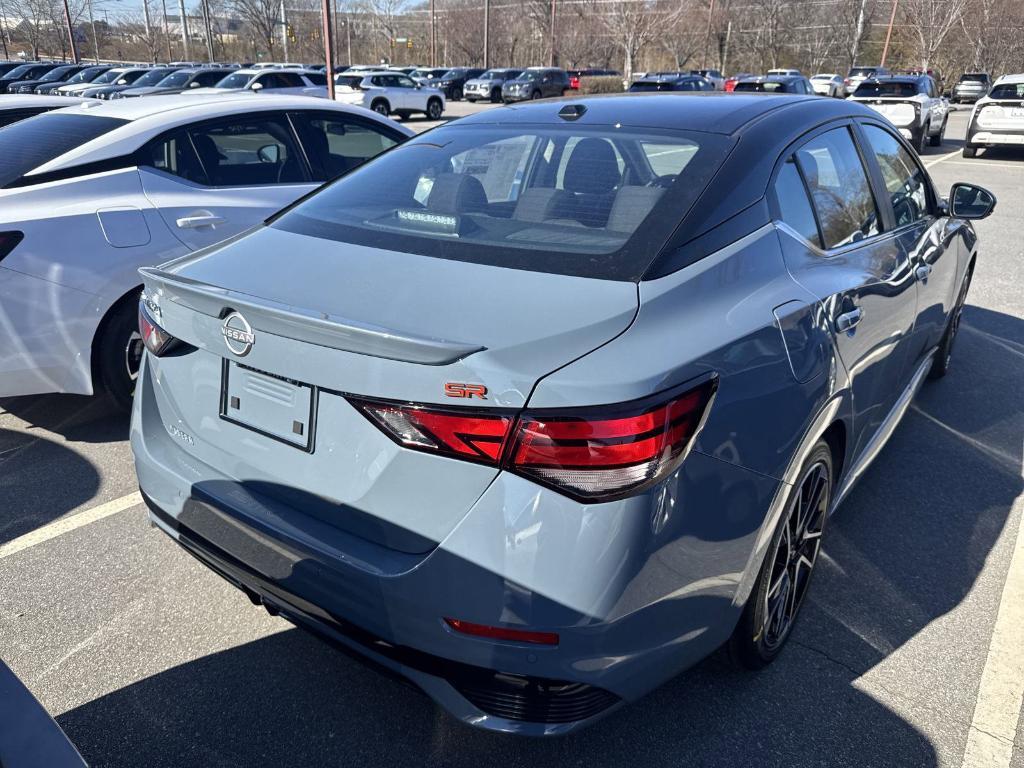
8,241
590,454
503,633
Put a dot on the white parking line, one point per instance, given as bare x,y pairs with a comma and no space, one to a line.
1001,693
945,157
68,524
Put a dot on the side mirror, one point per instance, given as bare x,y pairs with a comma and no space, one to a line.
194,84
967,201
122,81
257,87
269,153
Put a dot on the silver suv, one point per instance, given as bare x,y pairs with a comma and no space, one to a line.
971,87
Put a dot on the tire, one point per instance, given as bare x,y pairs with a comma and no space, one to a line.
535,95
944,354
457,94
118,353
434,109
970,152
921,141
936,140
381,107
774,603
496,96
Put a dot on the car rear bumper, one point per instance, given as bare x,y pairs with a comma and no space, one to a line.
995,138
637,590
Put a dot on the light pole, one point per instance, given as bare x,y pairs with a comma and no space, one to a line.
553,56
209,30
433,35
71,32
888,33
184,29
487,34
3,29
328,49
149,31
284,30
167,34
95,37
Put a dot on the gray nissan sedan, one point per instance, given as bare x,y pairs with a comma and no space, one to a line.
543,406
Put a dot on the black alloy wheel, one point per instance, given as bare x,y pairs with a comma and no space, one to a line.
781,587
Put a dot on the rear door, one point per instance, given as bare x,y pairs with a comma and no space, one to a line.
859,272
212,180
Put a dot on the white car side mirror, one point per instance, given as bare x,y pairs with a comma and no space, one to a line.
256,87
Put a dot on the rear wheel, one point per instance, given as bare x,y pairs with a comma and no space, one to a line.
381,107
775,601
922,140
944,354
970,152
457,94
119,353
434,109
936,140
535,95
496,96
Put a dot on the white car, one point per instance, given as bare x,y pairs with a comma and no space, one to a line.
15,107
785,72
285,82
998,118
89,194
388,93
912,103
829,85
109,77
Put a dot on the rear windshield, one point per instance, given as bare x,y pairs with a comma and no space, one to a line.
862,72
348,81
1008,91
973,78
901,90
767,87
27,144
590,201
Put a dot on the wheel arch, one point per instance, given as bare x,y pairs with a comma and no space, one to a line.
129,297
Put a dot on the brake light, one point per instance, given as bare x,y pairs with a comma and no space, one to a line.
157,340
503,633
8,241
574,82
590,454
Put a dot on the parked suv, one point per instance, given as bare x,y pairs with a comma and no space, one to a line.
58,75
453,83
797,84
389,93
671,81
488,85
912,103
971,87
998,117
536,83
858,75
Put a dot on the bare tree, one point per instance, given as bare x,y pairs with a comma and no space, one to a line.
633,24
262,18
930,22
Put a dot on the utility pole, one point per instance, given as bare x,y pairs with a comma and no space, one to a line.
888,33
167,33
348,36
328,49
707,34
433,38
149,30
184,30
71,32
204,4
95,37
553,56
284,30
487,34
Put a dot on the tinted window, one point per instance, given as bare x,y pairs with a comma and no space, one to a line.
87,75
336,144
317,78
839,188
405,82
236,80
904,178
206,79
29,143
178,79
766,87
175,154
794,205
9,116
566,199
1008,91
292,80
873,89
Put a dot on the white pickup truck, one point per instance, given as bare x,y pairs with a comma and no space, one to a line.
912,103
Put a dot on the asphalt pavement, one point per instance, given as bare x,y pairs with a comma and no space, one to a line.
146,658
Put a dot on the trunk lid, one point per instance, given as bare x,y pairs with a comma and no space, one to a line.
334,319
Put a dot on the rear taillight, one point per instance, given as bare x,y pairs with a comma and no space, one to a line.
503,633
574,83
590,454
157,340
8,241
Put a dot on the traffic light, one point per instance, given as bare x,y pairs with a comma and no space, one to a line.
408,43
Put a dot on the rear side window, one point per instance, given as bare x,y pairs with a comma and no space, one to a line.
794,205
838,185
28,144
335,144
904,179
575,200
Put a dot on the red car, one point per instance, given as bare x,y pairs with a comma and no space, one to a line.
730,82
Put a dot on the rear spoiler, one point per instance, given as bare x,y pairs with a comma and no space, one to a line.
305,325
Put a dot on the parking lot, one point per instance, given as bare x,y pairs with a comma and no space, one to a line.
145,657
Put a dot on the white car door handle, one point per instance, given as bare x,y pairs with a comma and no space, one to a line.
199,220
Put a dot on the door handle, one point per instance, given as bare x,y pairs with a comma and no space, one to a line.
923,271
199,220
848,320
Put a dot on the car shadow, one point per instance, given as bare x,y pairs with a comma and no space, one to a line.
78,418
905,549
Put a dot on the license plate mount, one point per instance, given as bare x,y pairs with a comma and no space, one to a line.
273,406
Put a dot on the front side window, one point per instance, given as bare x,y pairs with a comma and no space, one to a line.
176,80
336,144
838,185
904,179
405,82
569,200
236,80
